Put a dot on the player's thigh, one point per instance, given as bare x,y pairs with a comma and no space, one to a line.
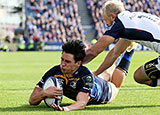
107,74
115,91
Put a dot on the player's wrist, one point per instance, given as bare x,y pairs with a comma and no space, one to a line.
66,109
43,94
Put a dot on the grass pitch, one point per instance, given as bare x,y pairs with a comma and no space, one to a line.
20,71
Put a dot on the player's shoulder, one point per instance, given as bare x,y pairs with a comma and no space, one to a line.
53,71
124,15
84,73
84,70
55,68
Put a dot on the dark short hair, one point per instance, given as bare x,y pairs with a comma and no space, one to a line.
75,47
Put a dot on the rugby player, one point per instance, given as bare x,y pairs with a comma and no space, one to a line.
78,82
140,27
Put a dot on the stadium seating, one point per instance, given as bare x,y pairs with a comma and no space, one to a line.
53,20
57,21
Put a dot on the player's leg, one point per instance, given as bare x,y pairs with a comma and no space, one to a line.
117,81
107,74
149,73
119,73
122,69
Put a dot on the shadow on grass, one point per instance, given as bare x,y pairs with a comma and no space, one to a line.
119,107
42,107
127,87
27,107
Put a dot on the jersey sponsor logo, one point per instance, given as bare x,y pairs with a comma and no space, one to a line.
73,84
150,17
88,82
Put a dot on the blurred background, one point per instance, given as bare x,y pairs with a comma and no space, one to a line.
44,25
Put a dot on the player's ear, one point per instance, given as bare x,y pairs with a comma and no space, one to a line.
79,63
113,16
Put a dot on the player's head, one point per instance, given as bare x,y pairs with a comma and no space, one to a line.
75,47
73,53
113,6
111,9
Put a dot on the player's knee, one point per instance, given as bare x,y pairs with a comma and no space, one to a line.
139,76
136,76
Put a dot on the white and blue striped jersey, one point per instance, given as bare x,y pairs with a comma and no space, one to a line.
143,28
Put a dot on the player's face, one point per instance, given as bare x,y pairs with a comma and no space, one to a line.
68,65
108,19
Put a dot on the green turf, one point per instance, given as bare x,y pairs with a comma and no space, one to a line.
20,71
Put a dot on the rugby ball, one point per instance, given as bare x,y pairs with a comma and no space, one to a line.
52,81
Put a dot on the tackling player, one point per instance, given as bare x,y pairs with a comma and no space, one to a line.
78,82
139,27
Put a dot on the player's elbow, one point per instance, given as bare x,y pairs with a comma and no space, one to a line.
31,102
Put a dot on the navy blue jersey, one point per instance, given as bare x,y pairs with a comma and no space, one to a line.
140,27
81,81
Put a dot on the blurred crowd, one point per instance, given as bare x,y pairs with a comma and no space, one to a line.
53,20
57,21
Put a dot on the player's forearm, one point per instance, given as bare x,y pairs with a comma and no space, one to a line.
37,97
97,48
90,54
108,62
77,105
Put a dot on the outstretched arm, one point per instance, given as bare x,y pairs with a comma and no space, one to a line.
97,48
39,94
82,100
111,57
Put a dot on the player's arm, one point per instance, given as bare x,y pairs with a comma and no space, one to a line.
80,103
39,94
111,57
97,48
82,100
82,97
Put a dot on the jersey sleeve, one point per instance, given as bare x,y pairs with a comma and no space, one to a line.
116,30
45,76
87,84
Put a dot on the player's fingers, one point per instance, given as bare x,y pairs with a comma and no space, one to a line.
59,93
60,108
55,107
59,90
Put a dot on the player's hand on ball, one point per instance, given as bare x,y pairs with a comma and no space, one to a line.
53,92
57,107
